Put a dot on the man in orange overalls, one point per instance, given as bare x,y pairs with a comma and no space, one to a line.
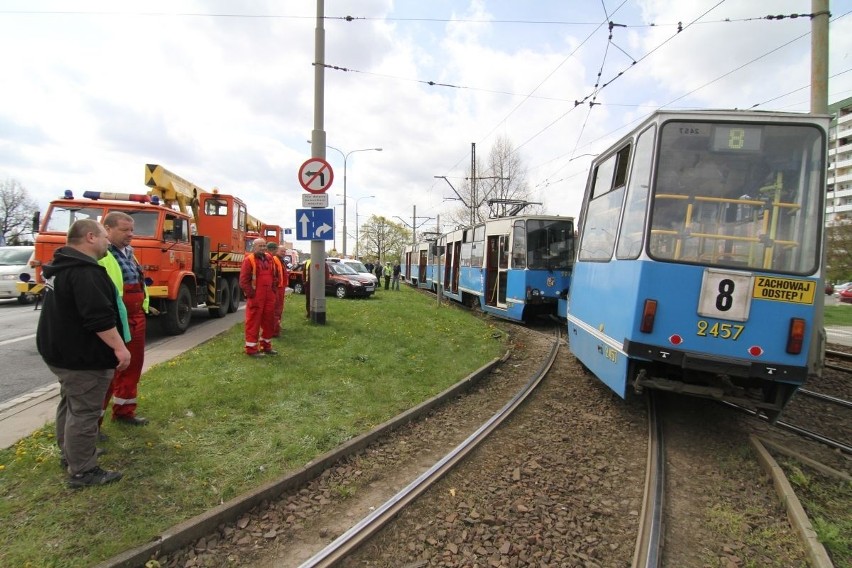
276,251
259,278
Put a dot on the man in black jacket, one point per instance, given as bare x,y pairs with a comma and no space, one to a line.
79,337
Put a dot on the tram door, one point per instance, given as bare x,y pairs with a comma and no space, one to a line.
421,268
454,281
408,266
496,272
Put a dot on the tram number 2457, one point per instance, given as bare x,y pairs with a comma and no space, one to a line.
720,330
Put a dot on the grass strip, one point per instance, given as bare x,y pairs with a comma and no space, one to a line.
223,423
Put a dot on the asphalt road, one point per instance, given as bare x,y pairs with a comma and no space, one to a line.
23,369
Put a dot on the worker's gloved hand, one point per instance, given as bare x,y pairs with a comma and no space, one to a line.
153,311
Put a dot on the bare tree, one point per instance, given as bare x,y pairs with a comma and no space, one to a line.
16,213
382,239
500,188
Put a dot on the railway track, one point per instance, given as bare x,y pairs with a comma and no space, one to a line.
355,537
560,482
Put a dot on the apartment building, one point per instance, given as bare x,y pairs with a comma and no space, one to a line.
838,203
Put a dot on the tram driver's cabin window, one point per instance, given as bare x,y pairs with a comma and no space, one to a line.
607,193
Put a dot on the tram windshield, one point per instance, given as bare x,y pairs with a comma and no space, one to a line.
550,244
745,196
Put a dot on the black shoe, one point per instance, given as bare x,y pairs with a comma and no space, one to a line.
95,476
131,420
255,354
270,352
63,463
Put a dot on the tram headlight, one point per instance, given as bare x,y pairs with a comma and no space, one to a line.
533,293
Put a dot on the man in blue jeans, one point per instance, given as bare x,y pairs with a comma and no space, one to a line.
79,336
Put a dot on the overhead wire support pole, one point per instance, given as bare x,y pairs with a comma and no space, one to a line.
345,160
317,278
460,198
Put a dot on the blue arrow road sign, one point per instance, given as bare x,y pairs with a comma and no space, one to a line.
314,224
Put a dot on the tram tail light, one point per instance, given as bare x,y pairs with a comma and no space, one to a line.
649,313
796,337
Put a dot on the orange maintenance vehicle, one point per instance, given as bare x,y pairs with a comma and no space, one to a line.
189,242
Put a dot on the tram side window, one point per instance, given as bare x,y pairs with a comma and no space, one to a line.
601,223
466,253
633,222
519,245
477,251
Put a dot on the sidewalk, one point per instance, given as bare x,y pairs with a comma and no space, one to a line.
21,416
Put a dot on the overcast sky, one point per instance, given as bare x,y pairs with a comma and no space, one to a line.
222,92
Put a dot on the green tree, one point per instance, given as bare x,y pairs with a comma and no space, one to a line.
382,239
838,244
16,213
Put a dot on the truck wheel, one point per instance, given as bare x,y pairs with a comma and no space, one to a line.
178,312
236,295
340,291
221,310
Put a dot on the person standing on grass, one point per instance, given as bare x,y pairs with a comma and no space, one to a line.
124,270
259,279
276,251
379,271
306,287
388,271
397,269
79,338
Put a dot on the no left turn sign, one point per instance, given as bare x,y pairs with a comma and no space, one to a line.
316,175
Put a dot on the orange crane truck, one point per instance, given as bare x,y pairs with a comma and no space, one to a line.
189,242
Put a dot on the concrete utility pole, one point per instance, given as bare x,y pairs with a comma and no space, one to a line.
819,56
317,268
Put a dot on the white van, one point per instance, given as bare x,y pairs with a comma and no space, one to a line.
15,267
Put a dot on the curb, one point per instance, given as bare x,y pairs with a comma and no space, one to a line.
816,552
192,529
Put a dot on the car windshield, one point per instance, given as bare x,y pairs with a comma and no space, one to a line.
357,265
12,256
340,268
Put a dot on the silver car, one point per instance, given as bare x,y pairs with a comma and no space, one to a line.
359,267
15,267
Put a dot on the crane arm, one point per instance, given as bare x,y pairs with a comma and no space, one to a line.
171,189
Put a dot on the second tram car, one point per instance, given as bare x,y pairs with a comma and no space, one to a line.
512,267
699,267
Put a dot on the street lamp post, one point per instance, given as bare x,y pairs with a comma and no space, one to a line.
345,159
357,234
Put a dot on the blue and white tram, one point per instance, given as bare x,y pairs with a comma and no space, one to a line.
418,265
699,267
512,267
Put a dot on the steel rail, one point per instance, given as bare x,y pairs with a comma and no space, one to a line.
837,445
346,543
648,550
839,354
825,398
